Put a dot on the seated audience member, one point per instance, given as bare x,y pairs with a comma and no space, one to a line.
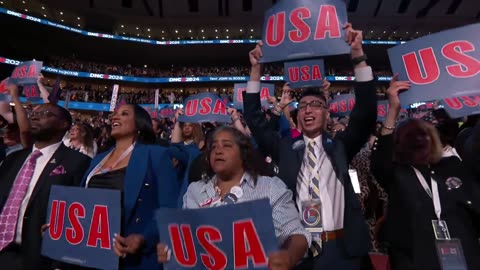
143,172
423,188
230,156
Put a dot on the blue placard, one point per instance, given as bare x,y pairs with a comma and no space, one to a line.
266,91
382,110
440,65
342,105
307,73
31,92
237,236
461,106
26,73
304,29
167,112
204,107
82,222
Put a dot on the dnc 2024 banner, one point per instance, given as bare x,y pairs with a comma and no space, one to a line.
440,65
307,73
204,107
236,236
266,91
82,224
304,29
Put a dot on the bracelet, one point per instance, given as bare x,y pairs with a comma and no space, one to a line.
388,128
358,60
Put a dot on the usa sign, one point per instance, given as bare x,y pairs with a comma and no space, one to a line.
304,29
439,65
26,73
461,106
307,73
266,91
204,107
241,239
82,224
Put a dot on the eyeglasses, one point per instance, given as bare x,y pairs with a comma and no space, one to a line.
315,104
42,114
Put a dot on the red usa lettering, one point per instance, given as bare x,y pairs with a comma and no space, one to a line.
96,235
327,24
422,66
247,246
204,106
458,103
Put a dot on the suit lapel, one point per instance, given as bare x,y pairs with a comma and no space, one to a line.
58,156
134,177
298,147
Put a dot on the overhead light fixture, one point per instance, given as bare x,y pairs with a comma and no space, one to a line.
45,15
78,25
62,20
251,36
148,29
149,36
178,37
78,18
203,37
176,31
191,37
371,31
394,32
216,30
216,37
202,30
42,7
226,30
23,2
137,28
124,33
251,30
189,31
145,66
407,33
241,30
61,13
163,38
138,35
122,26
416,32
26,10
227,36
384,32
163,32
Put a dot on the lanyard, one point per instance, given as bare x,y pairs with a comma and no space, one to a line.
432,193
100,165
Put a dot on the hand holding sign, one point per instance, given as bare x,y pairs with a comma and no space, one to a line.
26,73
131,244
354,38
393,91
254,56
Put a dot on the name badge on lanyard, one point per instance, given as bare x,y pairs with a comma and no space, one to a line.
449,251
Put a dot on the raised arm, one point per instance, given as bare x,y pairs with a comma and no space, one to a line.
22,118
266,138
43,91
382,153
364,114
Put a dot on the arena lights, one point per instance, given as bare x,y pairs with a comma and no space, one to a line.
163,41
78,18
62,20
122,26
148,29
61,13
42,7
136,28
26,10
202,30
23,2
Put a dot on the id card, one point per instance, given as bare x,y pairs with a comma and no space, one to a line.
440,229
450,254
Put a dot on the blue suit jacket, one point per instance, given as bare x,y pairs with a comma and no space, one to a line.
150,183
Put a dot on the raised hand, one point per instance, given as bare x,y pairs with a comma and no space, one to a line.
326,84
255,54
392,92
286,95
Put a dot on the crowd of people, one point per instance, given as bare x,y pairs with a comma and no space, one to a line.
73,63
301,160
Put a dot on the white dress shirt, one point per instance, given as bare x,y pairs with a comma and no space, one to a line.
42,161
332,195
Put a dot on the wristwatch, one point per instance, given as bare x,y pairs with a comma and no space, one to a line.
358,60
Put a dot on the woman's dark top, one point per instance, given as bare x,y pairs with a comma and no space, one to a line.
109,180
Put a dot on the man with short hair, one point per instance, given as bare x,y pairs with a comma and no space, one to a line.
25,180
315,167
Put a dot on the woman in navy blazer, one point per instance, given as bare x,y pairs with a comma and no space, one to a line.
145,175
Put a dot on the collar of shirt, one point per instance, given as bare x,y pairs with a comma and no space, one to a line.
318,140
209,187
47,152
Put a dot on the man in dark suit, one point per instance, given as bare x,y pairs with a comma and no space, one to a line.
316,168
25,180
